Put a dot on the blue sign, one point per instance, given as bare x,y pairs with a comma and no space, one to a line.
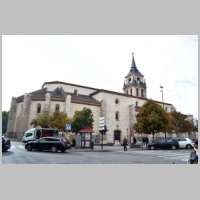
68,127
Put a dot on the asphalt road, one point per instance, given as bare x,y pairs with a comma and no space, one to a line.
108,155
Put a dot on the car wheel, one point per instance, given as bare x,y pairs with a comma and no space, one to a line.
152,148
173,147
53,149
188,146
29,148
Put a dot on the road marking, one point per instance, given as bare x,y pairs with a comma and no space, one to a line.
22,147
171,155
12,147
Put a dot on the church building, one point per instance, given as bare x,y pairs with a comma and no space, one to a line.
119,109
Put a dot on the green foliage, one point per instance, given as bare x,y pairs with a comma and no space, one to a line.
59,120
180,124
42,119
152,118
81,119
5,115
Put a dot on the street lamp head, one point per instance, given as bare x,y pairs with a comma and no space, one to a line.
161,86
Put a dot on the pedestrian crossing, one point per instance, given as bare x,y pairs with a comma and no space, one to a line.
166,154
19,146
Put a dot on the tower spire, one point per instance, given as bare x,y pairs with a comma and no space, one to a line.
133,65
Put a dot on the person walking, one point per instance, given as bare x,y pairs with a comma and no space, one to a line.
74,142
147,141
143,140
125,143
194,154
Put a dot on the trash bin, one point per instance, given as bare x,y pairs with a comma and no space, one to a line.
92,145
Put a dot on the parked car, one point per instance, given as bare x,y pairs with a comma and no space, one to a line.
6,144
164,143
49,143
185,143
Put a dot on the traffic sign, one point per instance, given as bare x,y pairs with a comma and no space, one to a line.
101,123
68,127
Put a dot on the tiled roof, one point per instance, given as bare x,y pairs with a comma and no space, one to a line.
60,95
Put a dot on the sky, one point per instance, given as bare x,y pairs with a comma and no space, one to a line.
103,61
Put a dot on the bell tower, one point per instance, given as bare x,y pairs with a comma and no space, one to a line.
134,83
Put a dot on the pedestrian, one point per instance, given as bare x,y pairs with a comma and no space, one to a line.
74,142
143,140
134,140
125,143
147,141
194,154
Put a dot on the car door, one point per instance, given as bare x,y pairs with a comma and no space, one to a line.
168,143
182,142
161,143
42,144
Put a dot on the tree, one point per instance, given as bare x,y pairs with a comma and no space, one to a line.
42,119
152,118
5,115
180,123
59,120
81,119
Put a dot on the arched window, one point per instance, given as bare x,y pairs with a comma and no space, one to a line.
38,108
75,92
129,80
137,92
116,101
57,107
142,94
117,115
131,91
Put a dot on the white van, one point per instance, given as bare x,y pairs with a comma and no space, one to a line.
36,133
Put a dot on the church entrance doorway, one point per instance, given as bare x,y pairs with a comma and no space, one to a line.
117,136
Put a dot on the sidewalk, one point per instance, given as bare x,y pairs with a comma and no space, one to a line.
98,148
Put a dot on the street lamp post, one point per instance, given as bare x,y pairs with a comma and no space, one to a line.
162,95
162,100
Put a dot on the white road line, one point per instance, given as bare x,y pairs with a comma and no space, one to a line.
22,147
12,147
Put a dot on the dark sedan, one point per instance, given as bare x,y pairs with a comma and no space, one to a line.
6,144
164,143
49,143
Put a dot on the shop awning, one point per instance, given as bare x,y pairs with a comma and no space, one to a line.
87,129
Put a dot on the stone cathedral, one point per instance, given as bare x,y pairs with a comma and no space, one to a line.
119,109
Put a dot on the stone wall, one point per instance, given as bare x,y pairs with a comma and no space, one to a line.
12,115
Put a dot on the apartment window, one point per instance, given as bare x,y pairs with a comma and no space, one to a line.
142,93
131,91
126,91
166,109
136,104
39,108
57,107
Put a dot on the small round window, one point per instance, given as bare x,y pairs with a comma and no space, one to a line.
116,101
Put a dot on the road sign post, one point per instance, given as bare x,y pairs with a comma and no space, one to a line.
102,128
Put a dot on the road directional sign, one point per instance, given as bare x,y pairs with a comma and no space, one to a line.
101,123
